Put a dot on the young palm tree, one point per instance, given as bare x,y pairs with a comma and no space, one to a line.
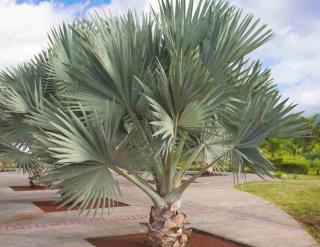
23,89
125,95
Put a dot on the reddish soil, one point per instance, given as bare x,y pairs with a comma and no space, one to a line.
151,182
209,174
51,206
197,239
154,182
27,188
313,223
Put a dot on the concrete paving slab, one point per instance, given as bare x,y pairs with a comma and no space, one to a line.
212,205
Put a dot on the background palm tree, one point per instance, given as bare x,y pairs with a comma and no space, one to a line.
23,89
273,145
130,94
292,148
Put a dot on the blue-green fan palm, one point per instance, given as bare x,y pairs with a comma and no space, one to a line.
155,93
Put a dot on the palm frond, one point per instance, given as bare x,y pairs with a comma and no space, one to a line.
88,185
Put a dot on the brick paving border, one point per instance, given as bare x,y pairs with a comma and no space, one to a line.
194,208
73,222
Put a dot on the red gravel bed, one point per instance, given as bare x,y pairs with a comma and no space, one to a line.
50,206
27,188
197,239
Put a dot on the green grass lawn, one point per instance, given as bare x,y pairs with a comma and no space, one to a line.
300,176
299,199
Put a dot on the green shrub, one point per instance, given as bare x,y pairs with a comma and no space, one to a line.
276,161
293,166
196,166
11,164
315,166
248,170
278,174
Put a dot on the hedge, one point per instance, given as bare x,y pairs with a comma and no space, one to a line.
293,166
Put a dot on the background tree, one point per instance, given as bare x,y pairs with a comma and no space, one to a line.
23,90
273,146
287,154
132,94
292,148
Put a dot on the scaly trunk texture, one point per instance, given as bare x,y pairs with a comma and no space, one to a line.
36,175
167,227
3,165
31,179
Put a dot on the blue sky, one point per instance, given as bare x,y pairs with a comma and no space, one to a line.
293,55
67,2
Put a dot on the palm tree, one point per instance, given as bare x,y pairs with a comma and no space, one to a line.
23,89
128,95
292,148
3,165
273,146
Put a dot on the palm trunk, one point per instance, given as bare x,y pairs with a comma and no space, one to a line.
36,175
167,227
31,180
4,165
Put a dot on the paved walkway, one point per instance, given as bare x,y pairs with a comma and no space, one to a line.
212,205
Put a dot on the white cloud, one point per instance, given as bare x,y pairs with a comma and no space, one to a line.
24,27
293,54
306,95
122,6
